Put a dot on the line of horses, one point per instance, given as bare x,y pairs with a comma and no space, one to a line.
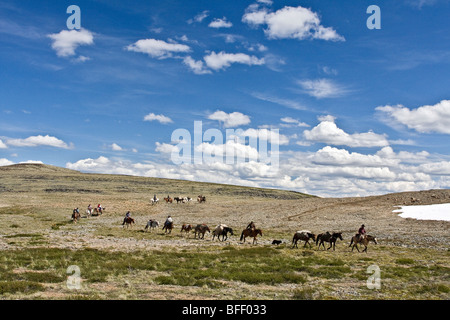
331,238
223,230
179,199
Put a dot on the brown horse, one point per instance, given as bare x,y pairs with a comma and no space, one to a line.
168,200
250,233
168,227
75,215
201,229
186,228
303,235
201,199
128,222
96,211
328,237
362,240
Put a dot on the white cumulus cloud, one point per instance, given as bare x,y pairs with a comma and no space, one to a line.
220,23
35,141
234,119
197,66
222,60
5,162
329,133
425,119
116,147
290,23
67,41
158,48
160,118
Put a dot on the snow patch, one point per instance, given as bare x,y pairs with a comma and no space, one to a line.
429,212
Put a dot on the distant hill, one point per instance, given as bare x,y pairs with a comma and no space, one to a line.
32,177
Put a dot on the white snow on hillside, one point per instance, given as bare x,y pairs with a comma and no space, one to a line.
430,212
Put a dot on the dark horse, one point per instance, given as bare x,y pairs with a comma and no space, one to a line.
201,229
303,235
128,222
186,228
250,233
168,227
178,199
201,199
225,232
328,237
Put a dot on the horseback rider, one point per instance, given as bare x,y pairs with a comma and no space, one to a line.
127,215
169,220
99,208
154,197
361,232
76,211
251,225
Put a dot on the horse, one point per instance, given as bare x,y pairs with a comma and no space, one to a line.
201,229
186,228
98,211
187,199
201,199
153,201
303,235
168,227
75,215
151,224
222,230
225,232
250,233
218,231
128,222
328,237
168,200
178,199
363,240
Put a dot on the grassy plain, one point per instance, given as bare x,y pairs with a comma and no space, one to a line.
38,242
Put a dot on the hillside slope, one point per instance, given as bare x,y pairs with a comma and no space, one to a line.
42,178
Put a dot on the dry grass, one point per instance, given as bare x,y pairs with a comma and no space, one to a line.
38,242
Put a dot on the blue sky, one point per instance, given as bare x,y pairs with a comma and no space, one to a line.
359,111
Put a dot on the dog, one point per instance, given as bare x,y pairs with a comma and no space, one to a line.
277,242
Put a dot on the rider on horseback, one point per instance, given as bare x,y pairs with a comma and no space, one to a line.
127,215
361,233
251,225
99,208
169,220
